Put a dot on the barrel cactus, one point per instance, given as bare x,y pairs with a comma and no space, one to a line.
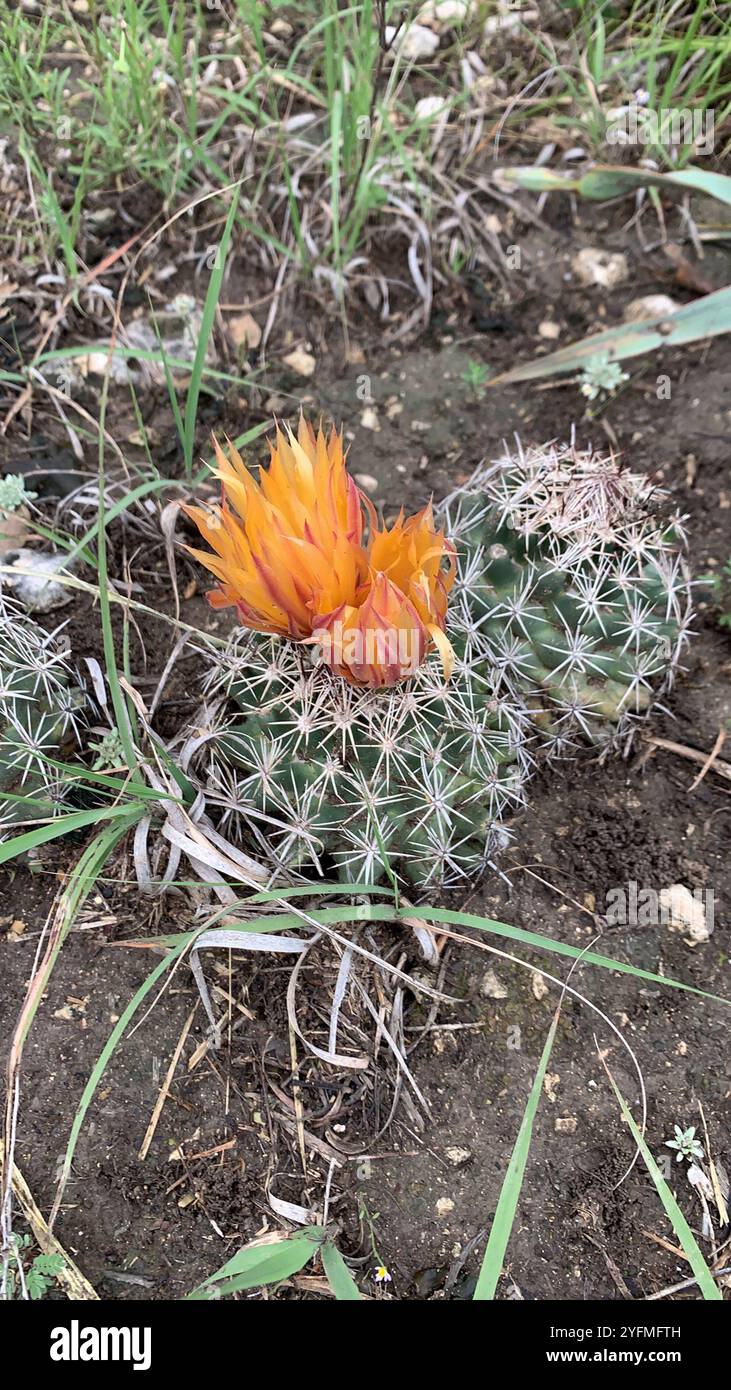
568,609
421,776
573,568
40,709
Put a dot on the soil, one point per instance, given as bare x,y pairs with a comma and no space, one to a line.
153,1227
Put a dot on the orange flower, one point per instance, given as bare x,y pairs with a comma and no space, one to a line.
411,556
291,548
378,642
290,556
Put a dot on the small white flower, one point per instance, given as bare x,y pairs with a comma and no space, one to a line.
381,1275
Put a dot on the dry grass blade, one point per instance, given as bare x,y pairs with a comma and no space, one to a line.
237,941
341,985
165,1088
719,1198
333,1058
75,1285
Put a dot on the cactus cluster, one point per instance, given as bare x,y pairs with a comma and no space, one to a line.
40,709
570,610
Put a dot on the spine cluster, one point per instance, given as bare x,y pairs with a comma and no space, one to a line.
40,712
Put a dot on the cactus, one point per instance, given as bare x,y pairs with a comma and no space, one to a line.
570,609
578,584
421,775
40,705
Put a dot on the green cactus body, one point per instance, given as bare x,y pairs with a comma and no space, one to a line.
579,588
421,776
39,709
570,611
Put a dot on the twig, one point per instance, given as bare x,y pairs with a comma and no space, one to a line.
165,1088
722,768
667,1245
685,1284
710,760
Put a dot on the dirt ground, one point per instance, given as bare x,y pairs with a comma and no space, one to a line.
153,1227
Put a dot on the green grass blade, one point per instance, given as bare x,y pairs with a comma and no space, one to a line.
693,1253
707,317
336,136
338,1275
81,880
119,704
256,1264
502,1225
76,772
169,383
308,890
381,912
209,311
609,180
65,825
546,943
104,1057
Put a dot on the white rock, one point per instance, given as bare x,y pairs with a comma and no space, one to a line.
458,1156
39,592
491,986
443,11
550,1081
604,268
508,23
483,88
414,41
538,985
685,912
549,329
97,364
366,481
300,361
444,1206
369,419
430,107
650,306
